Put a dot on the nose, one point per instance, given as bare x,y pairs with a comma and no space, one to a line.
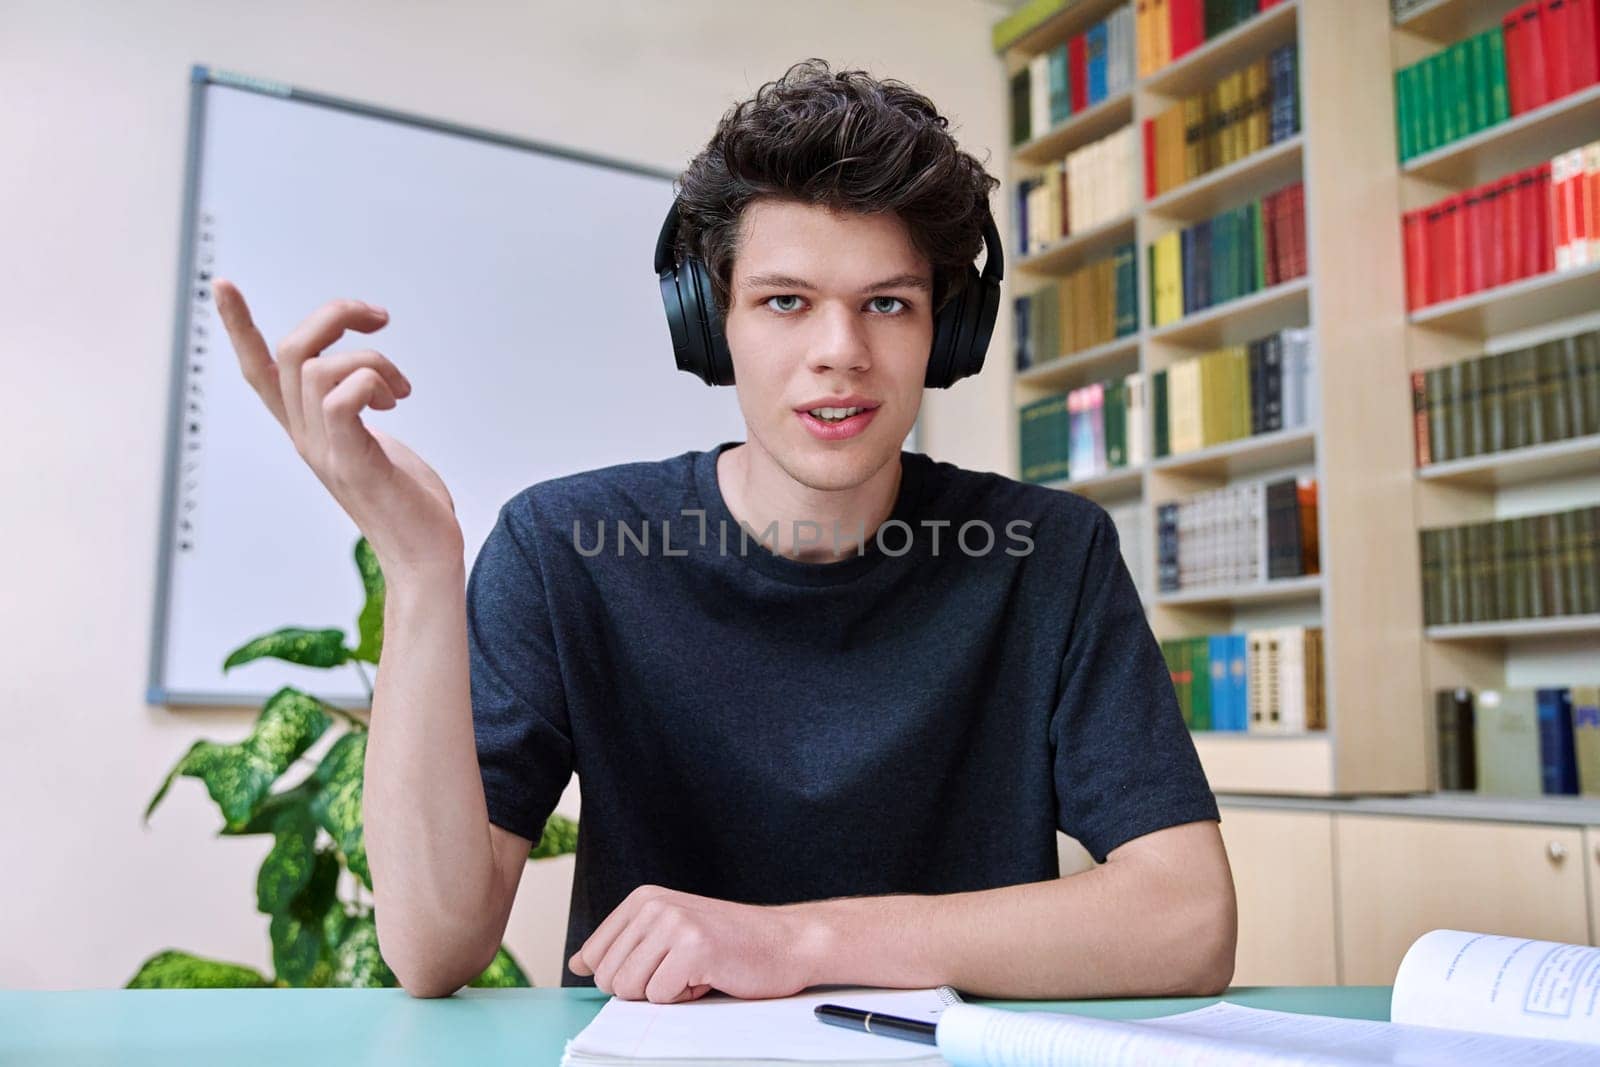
839,341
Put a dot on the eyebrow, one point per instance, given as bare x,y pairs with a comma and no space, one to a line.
789,281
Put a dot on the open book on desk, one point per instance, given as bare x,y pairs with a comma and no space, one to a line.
1459,999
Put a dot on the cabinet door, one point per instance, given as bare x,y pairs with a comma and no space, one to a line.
1591,857
1400,878
1283,875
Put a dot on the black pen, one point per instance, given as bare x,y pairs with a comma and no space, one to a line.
875,1022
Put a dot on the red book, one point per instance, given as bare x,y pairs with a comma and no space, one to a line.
1477,251
1078,73
1533,199
1188,19
1547,244
1455,220
1509,203
1433,238
1583,50
1490,233
1563,209
1150,189
1415,235
1536,76
1554,15
1511,31
1297,230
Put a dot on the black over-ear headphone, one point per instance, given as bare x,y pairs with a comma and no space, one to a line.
961,329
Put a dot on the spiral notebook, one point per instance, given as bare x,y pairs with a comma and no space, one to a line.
719,1031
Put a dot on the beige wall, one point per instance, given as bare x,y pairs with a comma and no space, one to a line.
91,149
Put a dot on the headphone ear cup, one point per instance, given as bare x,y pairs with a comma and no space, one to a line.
946,332
718,363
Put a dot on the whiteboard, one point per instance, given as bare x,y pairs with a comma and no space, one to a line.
523,308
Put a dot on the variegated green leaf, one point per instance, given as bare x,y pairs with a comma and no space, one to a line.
502,973
370,624
337,805
357,963
179,970
297,931
239,776
287,868
309,648
560,837
274,805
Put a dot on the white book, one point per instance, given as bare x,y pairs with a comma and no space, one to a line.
1292,679
1039,94
1135,418
1460,1000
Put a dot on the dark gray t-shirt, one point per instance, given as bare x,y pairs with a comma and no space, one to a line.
921,717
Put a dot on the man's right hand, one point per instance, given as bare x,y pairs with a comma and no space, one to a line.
397,501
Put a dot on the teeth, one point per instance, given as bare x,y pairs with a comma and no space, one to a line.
836,413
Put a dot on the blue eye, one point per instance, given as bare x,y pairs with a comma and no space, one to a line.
786,296
894,299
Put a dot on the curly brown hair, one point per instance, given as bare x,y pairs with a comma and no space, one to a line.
845,140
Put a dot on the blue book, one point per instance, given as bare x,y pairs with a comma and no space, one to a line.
1202,250
1095,45
1221,687
1558,760
1240,679
1191,301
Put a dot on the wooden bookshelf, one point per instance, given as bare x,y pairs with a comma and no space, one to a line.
1113,484
1061,257
1552,476
1358,442
1086,126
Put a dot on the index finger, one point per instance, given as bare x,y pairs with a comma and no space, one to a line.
255,358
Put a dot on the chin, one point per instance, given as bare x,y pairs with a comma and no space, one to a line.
836,467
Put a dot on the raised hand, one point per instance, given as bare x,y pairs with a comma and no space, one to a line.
397,501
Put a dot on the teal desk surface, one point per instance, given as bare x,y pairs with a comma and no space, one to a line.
345,1027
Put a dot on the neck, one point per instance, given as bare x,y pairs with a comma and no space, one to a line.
760,493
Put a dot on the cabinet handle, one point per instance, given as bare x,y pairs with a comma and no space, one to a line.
1558,851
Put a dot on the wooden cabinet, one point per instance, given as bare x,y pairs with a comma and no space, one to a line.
1283,874
1591,861
1401,877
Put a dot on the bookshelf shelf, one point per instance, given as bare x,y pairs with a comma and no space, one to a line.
1121,482
1519,466
1451,20
1508,308
1267,763
1064,370
1072,250
1090,124
1244,179
1522,141
1240,320
1307,587
1273,27
1249,455
1513,629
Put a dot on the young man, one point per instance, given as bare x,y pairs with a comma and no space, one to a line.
828,701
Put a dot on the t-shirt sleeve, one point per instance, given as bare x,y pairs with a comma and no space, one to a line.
519,709
1125,764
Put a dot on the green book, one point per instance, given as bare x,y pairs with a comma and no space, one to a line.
1499,98
1258,248
1506,732
1478,80
1461,87
1428,95
1044,432
1589,378
1402,124
1060,93
1158,411
1127,312
1200,671
1020,115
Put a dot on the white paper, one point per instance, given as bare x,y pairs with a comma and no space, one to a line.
1225,1035
1494,984
718,1028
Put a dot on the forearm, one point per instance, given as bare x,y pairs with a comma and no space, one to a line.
427,826
1121,929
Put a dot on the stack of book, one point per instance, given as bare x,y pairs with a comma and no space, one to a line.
1092,185
1520,742
1093,305
1245,112
1261,681
1171,29
1238,252
1072,77
1541,51
1540,219
1241,534
1085,432
1492,403
1261,387
1528,567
